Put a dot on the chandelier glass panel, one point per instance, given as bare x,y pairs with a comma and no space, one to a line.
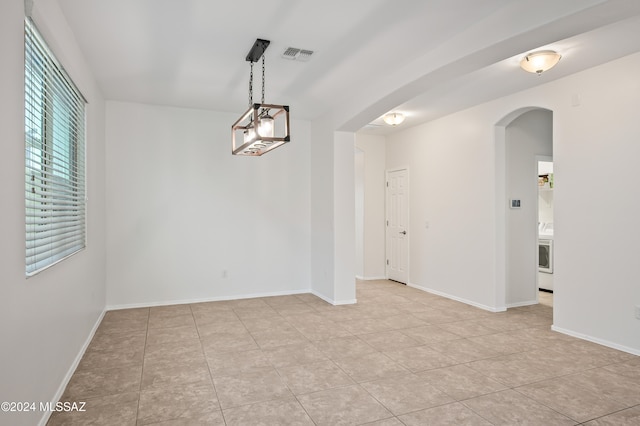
263,127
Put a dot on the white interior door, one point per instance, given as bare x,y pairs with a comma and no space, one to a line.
397,225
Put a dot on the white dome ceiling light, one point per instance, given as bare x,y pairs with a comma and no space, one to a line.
541,61
393,118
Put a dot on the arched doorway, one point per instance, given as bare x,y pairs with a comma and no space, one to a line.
521,137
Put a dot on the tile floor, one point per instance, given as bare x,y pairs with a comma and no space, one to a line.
398,357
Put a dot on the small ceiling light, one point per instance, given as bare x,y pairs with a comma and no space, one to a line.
263,127
539,62
393,118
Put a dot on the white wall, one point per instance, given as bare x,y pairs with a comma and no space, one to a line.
451,188
596,207
322,221
333,255
455,182
45,320
358,170
344,218
374,148
527,136
182,210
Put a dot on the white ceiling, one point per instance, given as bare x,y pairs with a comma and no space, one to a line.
425,58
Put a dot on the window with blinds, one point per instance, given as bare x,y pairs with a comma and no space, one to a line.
54,115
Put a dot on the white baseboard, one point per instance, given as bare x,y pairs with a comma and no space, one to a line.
459,299
602,342
519,304
370,278
333,302
45,417
207,299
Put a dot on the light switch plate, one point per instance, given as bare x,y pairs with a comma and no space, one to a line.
515,204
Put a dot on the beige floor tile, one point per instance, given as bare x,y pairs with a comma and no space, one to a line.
127,314
512,408
285,300
212,328
309,298
228,342
210,306
255,350
249,388
344,347
258,312
293,310
114,350
463,350
314,377
403,320
389,339
87,384
505,343
112,358
122,324
266,323
420,358
169,311
279,337
165,321
501,322
172,373
211,316
406,393
197,404
296,354
436,316
454,414
429,334
320,331
232,363
370,367
119,409
604,382
115,341
559,361
600,354
380,309
628,417
343,406
512,370
256,303
172,334
366,326
393,421
629,369
279,412
469,328
460,382
185,350
576,402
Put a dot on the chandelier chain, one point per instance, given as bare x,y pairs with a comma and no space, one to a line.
251,85
262,79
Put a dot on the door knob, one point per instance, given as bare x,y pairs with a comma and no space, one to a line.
404,232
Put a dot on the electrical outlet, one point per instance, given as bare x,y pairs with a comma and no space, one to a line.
638,312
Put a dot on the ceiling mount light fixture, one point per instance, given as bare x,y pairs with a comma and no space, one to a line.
393,118
539,62
263,127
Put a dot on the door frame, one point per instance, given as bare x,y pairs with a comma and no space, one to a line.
386,218
548,158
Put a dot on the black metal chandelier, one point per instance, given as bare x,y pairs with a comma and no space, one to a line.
263,127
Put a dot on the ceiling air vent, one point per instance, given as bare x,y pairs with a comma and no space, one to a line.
295,54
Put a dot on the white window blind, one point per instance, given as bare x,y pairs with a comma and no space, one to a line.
54,113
